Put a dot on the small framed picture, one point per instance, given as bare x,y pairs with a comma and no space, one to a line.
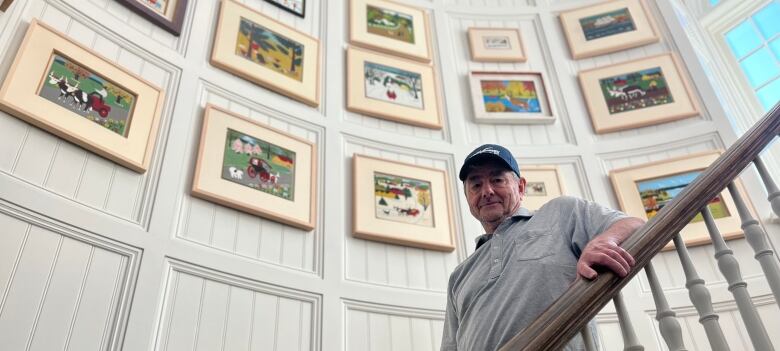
296,7
638,93
256,169
390,27
402,204
496,45
542,184
608,27
391,88
643,190
266,52
74,93
168,14
510,97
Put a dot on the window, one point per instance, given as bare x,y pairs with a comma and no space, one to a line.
714,2
755,44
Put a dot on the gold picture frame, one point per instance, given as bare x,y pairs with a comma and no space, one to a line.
642,190
391,28
71,91
402,204
293,72
256,169
542,184
496,45
638,93
375,89
608,27
490,97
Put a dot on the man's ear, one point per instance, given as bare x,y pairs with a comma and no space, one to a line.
521,185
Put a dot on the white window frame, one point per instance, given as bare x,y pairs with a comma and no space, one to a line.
735,89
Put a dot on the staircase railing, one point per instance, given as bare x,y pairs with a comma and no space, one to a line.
583,300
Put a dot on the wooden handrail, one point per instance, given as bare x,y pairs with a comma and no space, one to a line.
584,299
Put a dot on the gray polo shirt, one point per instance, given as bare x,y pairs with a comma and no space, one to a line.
529,262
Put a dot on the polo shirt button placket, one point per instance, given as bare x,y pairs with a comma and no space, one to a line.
495,247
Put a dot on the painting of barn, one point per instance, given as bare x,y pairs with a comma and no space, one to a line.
636,90
71,85
259,165
402,199
657,192
269,49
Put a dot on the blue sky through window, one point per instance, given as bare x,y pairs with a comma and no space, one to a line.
756,45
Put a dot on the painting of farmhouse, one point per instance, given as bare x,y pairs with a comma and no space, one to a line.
636,90
658,192
393,85
70,85
391,24
606,24
271,50
403,200
258,164
510,96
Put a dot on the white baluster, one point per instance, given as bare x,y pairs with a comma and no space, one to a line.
769,184
667,321
630,341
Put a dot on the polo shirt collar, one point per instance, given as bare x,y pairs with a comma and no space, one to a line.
521,213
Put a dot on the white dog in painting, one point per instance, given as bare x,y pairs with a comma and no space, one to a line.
235,173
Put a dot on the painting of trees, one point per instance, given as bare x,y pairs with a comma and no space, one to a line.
78,71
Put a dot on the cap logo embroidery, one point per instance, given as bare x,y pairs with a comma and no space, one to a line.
486,150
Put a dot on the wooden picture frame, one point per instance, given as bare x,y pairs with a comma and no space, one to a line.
71,91
490,98
608,27
256,169
291,6
496,45
638,93
235,51
168,14
409,96
5,4
543,183
410,38
412,208
643,189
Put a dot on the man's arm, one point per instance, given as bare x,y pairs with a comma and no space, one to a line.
604,250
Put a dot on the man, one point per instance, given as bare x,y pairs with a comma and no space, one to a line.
525,260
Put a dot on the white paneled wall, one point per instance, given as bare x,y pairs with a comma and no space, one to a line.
94,256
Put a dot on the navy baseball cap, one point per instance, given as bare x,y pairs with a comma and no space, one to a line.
487,151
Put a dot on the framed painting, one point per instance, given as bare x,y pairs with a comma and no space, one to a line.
643,190
510,97
296,7
256,169
266,52
496,45
402,204
390,27
168,14
542,184
71,91
391,88
608,27
638,93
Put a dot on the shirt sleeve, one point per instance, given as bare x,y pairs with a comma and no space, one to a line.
448,339
587,220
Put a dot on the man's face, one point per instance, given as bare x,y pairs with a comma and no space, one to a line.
493,192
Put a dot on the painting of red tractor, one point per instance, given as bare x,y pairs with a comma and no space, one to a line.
260,165
70,85
404,200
